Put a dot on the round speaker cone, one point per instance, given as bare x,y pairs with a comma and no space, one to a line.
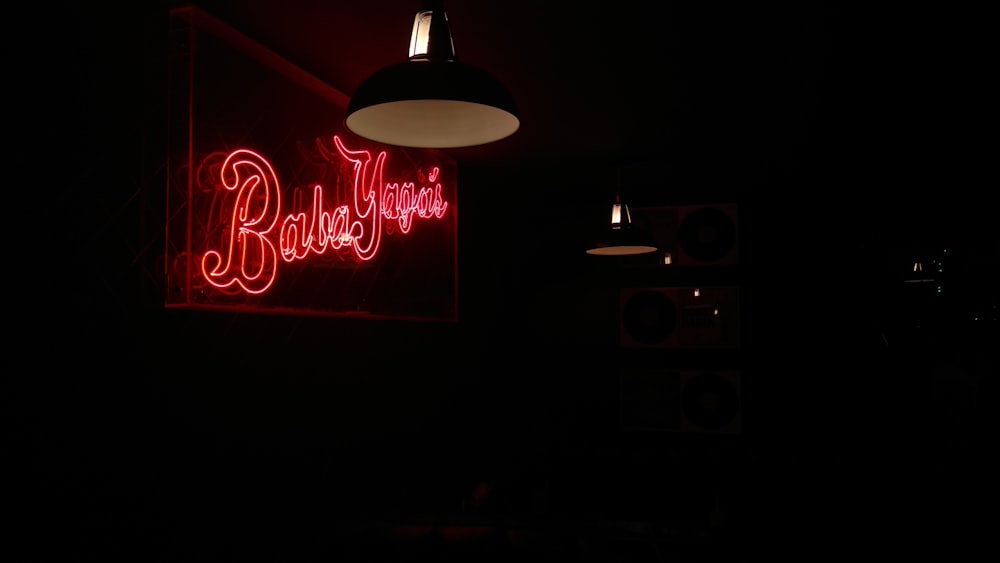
707,234
710,400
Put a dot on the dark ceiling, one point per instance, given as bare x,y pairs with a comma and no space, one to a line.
628,79
818,102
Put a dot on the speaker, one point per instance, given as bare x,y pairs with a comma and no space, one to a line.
693,235
689,401
680,317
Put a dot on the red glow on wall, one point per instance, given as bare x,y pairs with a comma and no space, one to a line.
273,207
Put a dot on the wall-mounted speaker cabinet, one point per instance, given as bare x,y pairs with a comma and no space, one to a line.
693,235
687,401
680,317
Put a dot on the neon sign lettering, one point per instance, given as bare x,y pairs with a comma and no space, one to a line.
257,238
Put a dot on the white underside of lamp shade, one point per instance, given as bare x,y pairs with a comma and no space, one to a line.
438,124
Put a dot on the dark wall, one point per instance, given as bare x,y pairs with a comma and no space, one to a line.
141,428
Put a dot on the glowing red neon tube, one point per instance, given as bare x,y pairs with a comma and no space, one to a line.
247,256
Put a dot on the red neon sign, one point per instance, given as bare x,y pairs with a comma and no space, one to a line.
272,207
248,254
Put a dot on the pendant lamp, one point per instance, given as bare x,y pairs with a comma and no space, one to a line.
621,238
431,99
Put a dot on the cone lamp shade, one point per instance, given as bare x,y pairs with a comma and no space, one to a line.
621,238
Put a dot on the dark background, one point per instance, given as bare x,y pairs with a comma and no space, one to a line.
849,138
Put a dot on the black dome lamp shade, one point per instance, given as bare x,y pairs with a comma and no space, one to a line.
432,100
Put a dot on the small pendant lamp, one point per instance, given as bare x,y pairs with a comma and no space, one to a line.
621,238
432,100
